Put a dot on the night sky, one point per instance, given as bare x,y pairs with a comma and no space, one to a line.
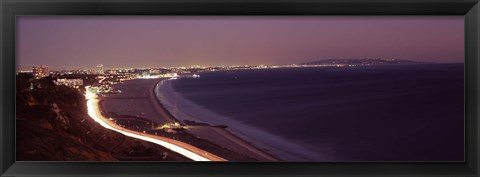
81,42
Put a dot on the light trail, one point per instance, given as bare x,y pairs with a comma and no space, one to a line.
187,150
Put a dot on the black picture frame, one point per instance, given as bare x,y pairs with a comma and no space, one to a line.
12,8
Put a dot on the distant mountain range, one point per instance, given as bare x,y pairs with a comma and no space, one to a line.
362,61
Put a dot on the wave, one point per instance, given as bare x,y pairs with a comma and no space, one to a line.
184,109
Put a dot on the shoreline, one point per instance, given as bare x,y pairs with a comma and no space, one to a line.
276,146
212,133
95,112
153,96
218,129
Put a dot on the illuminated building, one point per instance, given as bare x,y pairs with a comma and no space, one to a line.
40,71
100,69
74,83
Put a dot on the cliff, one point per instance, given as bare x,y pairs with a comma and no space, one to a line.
52,124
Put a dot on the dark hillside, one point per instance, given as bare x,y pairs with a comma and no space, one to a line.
52,124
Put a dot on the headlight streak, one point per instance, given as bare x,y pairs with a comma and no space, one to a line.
91,101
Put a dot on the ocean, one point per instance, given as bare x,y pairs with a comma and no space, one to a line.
374,113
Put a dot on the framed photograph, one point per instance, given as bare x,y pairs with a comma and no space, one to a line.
239,88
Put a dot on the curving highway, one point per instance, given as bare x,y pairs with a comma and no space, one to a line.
182,148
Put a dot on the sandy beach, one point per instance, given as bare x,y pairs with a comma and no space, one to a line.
138,100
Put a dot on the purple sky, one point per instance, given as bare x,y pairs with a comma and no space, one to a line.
71,42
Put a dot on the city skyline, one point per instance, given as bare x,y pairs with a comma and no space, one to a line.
66,42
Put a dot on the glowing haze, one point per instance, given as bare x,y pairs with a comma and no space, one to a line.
78,42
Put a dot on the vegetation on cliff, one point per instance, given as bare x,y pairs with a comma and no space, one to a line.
52,124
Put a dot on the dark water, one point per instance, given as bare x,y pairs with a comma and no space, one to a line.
398,113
